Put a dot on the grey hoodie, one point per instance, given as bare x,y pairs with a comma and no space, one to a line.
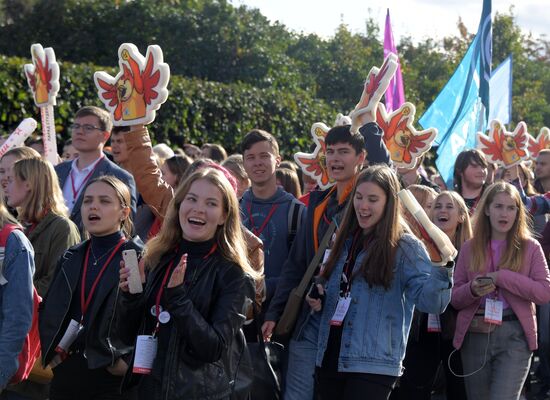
274,234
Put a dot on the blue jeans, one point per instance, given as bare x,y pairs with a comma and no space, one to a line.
302,352
505,357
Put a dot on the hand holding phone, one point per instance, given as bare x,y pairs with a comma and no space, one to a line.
131,262
482,285
484,280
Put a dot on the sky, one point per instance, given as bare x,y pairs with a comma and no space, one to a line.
419,19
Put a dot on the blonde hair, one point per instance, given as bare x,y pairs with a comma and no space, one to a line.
228,237
22,153
516,237
123,195
45,194
464,229
5,216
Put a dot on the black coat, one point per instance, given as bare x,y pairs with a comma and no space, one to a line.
204,338
104,344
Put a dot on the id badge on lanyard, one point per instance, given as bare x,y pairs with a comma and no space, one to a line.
493,311
146,351
434,323
341,310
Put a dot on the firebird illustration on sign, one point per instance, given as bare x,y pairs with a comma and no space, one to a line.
541,142
133,96
315,164
43,75
503,147
403,141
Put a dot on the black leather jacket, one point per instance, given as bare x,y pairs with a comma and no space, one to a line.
204,338
104,344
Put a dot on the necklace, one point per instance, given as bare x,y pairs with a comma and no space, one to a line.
97,259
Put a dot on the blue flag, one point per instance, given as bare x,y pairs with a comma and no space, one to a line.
501,92
461,109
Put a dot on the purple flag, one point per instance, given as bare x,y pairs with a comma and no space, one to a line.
395,95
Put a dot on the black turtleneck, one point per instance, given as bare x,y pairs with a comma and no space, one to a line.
101,248
197,253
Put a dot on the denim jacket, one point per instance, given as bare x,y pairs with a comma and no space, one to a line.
378,321
16,304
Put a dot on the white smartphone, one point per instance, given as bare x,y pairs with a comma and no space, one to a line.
131,262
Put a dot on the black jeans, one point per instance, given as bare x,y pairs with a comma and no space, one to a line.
72,379
352,386
422,361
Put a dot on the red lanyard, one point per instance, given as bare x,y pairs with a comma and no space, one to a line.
259,231
327,221
85,302
163,284
77,191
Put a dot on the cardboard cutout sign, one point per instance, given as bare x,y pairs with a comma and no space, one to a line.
503,147
43,75
314,165
541,142
376,85
134,95
43,79
403,141
19,135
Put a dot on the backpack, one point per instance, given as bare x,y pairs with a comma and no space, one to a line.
31,347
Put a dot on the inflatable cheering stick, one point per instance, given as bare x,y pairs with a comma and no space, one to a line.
19,135
376,85
133,96
440,247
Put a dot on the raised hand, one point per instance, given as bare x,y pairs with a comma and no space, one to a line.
179,273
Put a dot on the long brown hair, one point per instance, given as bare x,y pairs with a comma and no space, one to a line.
377,267
228,236
45,196
516,237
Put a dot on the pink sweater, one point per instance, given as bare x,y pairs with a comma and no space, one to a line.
520,289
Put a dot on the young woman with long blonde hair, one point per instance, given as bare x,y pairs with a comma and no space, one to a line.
33,189
199,282
430,340
501,273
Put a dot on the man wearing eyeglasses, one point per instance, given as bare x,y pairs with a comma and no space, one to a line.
90,130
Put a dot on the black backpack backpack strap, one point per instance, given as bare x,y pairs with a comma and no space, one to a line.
294,220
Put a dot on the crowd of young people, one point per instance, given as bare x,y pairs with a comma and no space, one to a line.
224,241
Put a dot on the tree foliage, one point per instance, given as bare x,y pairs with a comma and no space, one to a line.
234,70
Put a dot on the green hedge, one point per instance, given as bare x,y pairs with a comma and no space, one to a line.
196,111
